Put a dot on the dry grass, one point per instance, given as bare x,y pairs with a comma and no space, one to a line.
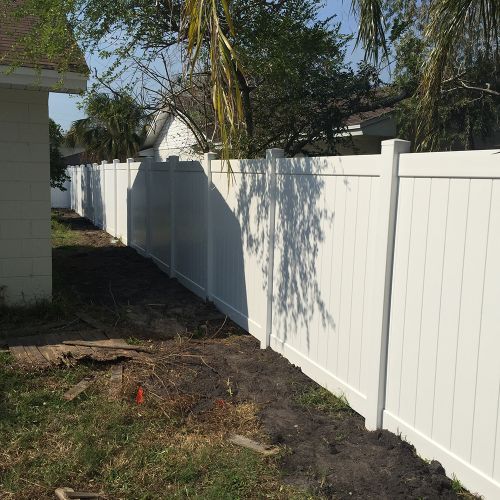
155,450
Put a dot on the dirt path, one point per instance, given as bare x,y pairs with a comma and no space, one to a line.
326,448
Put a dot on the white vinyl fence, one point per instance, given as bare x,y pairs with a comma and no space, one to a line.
378,275
61,198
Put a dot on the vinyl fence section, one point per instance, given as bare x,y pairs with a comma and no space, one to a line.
378,275
61,198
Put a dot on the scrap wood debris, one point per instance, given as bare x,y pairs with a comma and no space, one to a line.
77,389
245,442
70,493
44,351
55,348
116,380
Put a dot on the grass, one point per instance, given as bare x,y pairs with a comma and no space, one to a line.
321,399
62,235
459,489
118,447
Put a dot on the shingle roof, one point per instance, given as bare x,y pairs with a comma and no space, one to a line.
12,51
359,118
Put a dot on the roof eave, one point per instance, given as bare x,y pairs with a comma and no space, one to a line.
361,128
42,79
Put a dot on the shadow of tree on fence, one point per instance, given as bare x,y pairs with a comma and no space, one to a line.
301,212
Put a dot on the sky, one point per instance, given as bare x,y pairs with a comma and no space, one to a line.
63,108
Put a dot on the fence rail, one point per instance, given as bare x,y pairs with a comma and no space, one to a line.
378,275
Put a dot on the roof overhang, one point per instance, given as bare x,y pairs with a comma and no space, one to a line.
383,126
42,79
155,128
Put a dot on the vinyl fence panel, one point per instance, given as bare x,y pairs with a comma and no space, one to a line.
138,208
190,247
443,374
240,234
325,234
159,198
122,201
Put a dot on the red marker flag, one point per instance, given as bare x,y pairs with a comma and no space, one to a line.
139,399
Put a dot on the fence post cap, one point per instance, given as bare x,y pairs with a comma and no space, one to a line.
399,145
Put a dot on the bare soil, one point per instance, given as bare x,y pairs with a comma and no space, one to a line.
207,360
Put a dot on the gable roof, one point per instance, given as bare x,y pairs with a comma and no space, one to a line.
12,52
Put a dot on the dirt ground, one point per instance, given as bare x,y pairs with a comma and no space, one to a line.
205,359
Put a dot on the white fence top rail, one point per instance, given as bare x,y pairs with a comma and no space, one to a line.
365,165
483,164
241,166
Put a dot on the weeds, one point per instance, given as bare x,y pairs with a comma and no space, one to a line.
62,235
321,399
458,488
118,447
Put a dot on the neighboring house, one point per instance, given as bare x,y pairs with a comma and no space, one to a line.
25,240
72,156
366,131
168,136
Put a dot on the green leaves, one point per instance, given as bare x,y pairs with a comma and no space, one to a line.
115,127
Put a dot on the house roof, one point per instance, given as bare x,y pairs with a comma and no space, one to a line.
360,118
13,52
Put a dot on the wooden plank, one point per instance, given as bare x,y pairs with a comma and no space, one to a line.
253,445
116,380
78,388
101,345
47,350
36,356
20,355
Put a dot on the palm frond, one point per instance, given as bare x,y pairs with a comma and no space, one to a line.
205,21
453,23
371,33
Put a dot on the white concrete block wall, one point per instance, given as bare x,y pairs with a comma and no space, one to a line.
25,246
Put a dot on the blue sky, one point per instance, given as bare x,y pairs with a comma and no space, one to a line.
63,108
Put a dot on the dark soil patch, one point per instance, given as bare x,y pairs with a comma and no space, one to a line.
209,361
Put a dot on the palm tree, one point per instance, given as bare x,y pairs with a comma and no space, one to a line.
114,128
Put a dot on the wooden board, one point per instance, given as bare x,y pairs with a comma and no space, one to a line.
116,380
44,351
78,388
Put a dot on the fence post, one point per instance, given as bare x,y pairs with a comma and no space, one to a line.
93,176
129,238
381,299
272,156
115,189
148,164
210,224
103,191
173,163
71,191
